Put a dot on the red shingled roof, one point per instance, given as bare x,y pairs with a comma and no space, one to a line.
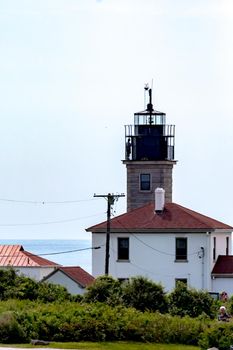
173,217
15,255
76,273
223,265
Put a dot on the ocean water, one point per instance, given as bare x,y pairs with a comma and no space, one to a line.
61,251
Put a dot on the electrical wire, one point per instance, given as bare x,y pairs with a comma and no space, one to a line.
150,272
50,222
70,251
54,253
142,269
149,246
45,202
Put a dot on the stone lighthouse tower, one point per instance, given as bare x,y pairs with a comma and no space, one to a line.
149,156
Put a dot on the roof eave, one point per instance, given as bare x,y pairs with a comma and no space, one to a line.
222,275
154,230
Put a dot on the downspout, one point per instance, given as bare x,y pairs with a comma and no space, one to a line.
202,267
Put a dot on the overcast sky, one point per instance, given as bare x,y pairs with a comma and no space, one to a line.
72,74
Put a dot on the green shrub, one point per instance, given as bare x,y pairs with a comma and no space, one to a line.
48,292
104,289
13,286
184,301
10,331
7,282
219,334
144,294
228,304
22,288
100,322
71,321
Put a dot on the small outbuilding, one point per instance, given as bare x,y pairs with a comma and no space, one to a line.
25,263
74,278
222,274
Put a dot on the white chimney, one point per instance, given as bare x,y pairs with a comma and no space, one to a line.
159,199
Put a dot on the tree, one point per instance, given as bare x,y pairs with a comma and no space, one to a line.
186,301
143,294
49,292
104,289
8,278
22,288
13,286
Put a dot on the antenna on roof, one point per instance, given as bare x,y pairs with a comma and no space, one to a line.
149,107
146,88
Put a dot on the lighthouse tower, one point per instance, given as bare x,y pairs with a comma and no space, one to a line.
149,156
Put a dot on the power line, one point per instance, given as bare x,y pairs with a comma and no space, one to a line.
70,251
50,222
54,253
150,272
149,246
35,202
145,270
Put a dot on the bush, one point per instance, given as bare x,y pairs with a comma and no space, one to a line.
228,304
48,292
100,322
219,335
184,301
104,289
22,288
7,282
10,331
144,294
13,286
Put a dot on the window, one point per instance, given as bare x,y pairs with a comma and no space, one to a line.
214,248
181,249
227,245
182,280
123,280
144,182
123,248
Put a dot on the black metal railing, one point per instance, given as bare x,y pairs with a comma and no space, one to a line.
154,142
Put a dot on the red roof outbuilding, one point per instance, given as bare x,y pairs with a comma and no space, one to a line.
223,266
16,256
76,273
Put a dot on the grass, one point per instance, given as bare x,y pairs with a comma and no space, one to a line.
110,346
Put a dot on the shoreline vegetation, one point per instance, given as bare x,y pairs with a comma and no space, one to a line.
110,312
65,322
106,345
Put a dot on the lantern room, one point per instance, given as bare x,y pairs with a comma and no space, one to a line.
150,138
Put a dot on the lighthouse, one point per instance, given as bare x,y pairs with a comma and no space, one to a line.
149,155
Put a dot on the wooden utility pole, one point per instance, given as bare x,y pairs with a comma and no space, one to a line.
110,201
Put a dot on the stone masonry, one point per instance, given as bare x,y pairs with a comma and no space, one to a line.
161,176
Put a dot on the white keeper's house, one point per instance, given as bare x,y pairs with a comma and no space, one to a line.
156,237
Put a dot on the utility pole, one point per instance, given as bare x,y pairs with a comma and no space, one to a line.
110,201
